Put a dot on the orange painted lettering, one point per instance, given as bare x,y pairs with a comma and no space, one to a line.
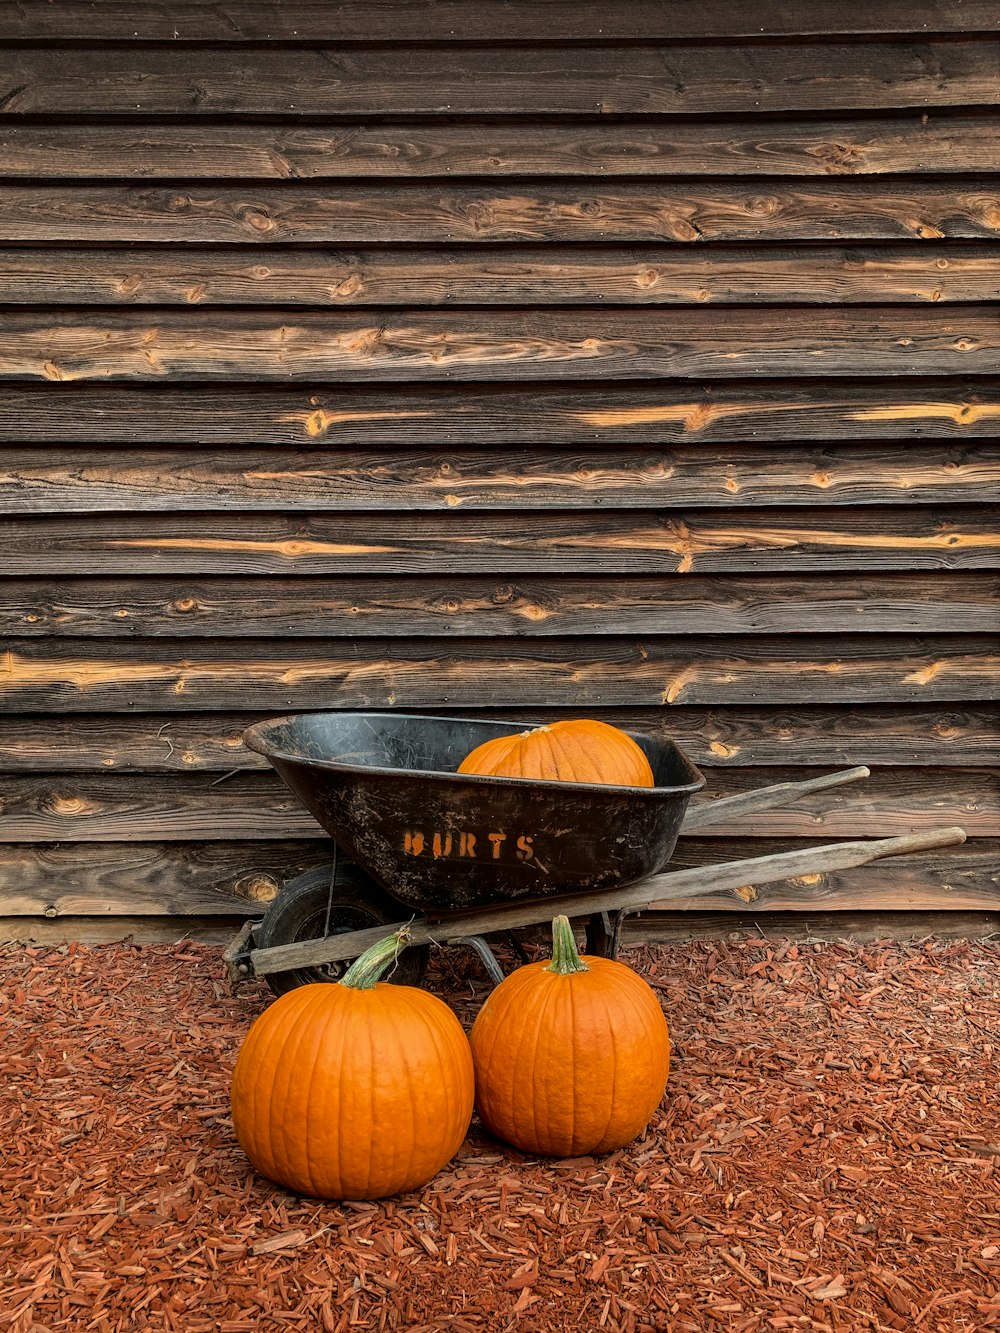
441,846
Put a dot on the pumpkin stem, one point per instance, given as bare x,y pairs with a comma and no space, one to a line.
565,958
365,971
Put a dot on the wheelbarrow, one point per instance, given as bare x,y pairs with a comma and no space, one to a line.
457,857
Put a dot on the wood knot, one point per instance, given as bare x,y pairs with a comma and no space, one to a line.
256,888
764,205
260,222
349,287
68,805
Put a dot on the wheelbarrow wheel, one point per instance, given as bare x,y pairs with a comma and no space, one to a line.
299,912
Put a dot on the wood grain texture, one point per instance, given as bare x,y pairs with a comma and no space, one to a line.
88,676
909,273
81,480
735,736
334,80
396,607
655,927
258,807
521,344
220,930
914,144
952,880
696,541
223,878
775,927
638,361
148,879
578,415
308,21
772,210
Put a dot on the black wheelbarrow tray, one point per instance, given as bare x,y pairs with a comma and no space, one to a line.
458,856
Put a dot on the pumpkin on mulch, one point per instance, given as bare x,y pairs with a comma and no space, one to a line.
826,1157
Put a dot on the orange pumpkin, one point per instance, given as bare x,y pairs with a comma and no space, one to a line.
353,1090
571,1056
576,751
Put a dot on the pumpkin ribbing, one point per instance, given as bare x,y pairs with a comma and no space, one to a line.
356,1090
572,1056
577,750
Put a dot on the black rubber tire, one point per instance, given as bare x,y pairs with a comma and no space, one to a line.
299,913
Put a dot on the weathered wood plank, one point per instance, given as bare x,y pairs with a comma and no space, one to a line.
888,803
82,676
676,927
332,80
205,929
522,344
577,415
146,809
952,879
913,144
410,213
391,607
81,480
904,274
168,879
252,806
736,736
224,878
653,927
350,21
704,541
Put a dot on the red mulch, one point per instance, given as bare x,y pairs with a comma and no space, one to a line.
827,1157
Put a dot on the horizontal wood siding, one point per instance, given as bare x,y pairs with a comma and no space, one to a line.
300,22
527,361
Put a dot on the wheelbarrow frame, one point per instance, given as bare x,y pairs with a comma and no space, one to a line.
246,961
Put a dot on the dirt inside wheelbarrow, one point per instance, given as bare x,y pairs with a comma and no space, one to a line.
827,1157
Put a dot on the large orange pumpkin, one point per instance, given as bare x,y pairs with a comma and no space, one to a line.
571,1056
580,750
356,1089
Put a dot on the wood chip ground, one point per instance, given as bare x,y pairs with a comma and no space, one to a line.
827,1157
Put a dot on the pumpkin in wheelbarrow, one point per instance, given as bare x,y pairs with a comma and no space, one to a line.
581,750
571,1056
354,1089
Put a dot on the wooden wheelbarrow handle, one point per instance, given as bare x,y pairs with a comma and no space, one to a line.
669,887
706,812
730,875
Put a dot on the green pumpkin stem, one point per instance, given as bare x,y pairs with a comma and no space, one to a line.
565,959
365,971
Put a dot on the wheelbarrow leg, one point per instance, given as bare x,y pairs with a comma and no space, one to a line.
237,954
604,933
486,955
518,947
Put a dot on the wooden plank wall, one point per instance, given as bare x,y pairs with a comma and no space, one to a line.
638,360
